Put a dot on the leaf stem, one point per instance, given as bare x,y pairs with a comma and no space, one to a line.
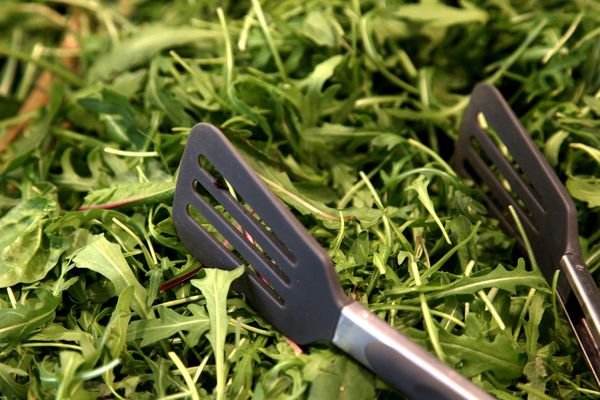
125,153
55,69
379,203
186,376
530,253
265,29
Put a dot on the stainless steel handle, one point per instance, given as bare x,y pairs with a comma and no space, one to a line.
398,360
583,310
586,291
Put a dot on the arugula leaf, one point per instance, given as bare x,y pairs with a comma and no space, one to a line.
477,355
115,332
143,45
24,257
125,194
552,146
22,320
8,382
167,324
419,185
214,287
349,111
585,189
341,378
437,15
105,258
499,278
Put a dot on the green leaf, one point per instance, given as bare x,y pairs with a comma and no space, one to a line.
143,45
593,103
316,99
126,194
591,151
439,15
460,229
419,185
167,324
552,146
105,258
475,355
55,332
9,386
532,326
280,183
321,28
159,95
21,321
69,384
342,378
585,189
22,151
499,278
215,286
24,257
115,332
122,121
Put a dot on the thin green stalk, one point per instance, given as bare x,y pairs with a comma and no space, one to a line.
563,40
57,70
270,42
28,77
427,318
510,60
402,307
10,67
530,253
386,219
432,154
337,242
186,376
492,309
228,49
438,264
521,318
534,392
150,262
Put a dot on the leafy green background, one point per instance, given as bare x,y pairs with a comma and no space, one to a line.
349,111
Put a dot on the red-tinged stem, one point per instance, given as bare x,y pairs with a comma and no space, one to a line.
178,279
113,204
297,349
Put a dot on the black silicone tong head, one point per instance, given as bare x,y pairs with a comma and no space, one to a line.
282,247
503,160
292,282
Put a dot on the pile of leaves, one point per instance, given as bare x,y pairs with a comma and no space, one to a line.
349,111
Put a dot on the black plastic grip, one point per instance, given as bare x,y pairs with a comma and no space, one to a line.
295,286
552,227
